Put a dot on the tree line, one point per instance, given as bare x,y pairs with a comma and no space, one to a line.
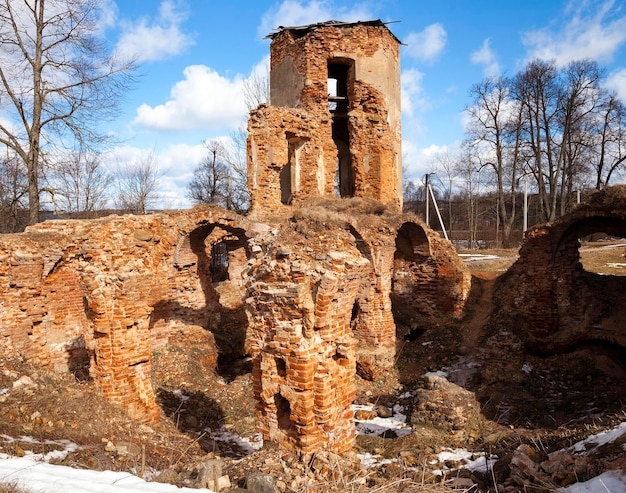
59,83
555,132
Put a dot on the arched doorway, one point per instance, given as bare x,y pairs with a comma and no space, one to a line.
410,313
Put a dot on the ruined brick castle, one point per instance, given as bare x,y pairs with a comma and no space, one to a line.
328,269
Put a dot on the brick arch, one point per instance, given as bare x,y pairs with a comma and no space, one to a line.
412,243
587,226
430,283
371,320
554,302
149,302
586,304
97,286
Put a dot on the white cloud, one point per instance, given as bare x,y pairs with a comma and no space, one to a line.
414,104
162,38
418,161
202,100
301,13
175,165
413,99
592,31
426,45
486,57
617,82
107,16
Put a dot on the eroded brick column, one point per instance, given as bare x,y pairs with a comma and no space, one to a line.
372,317
303,348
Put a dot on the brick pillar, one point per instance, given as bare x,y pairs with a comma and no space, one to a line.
122,346
303,349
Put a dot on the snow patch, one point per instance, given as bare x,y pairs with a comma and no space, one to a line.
610,481
378,426
41,477
593,442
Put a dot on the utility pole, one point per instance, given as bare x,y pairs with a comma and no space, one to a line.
525,205
429,192
426,191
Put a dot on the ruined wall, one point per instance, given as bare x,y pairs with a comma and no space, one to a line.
548,296
288,144
303,350
319,300
95,297
294,135
430,283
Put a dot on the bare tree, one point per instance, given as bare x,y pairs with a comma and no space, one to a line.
256,88
82,183
210,179
578,103
495,132
609,150
256,91
13,191
58,81
537,90
237,159
445,162
137,184
467,169
220,178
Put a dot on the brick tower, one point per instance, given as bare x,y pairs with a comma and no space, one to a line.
333,125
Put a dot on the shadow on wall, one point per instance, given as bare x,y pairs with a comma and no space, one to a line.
79,359
411,280
211,246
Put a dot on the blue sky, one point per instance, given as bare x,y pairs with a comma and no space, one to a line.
196,55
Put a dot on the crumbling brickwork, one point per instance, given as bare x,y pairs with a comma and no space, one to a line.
96,297
325,291
333,124
320,305
553,301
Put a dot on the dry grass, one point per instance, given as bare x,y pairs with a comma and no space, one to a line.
11,488
604,258
353,205
504,259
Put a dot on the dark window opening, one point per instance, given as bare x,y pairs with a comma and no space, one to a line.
412,243
281,367
219,262
283,415
344,175
355,311
339,77
285,184
290,171
79,359
339,82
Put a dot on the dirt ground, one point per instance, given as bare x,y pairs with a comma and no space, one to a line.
548,402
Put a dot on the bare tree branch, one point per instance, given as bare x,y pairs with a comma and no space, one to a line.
60,79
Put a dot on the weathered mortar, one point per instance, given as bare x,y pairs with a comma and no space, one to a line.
319,302
95,297
322,289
